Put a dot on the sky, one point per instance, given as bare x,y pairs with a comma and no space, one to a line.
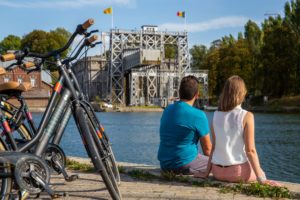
206,20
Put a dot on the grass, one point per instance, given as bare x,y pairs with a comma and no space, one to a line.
74,165
253,189
150,106
142,175
258,190
121,169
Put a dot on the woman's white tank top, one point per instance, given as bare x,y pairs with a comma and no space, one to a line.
229,133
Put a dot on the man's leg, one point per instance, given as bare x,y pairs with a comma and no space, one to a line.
197,165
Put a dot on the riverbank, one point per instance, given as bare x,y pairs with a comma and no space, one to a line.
275,109
144,182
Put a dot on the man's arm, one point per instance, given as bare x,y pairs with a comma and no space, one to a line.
206,144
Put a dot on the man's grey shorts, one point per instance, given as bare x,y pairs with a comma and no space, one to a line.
199,164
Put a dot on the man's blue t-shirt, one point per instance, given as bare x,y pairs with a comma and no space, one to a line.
181,126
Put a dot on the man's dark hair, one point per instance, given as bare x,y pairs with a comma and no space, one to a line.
189,86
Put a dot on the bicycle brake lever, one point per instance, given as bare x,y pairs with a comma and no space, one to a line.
93,45
88,34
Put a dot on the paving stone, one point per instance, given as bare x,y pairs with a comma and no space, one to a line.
90,186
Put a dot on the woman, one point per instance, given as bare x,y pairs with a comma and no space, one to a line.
234,157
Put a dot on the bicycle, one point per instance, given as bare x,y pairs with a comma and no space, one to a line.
54,150
69,102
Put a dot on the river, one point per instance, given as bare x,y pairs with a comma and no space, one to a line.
135,138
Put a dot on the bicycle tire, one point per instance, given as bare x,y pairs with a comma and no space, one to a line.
106,144
5,183
23,131
105,156
82,120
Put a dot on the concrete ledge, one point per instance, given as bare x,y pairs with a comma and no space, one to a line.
155,170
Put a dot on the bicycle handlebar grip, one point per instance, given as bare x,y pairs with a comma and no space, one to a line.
7,57
28,64
87,24
93,38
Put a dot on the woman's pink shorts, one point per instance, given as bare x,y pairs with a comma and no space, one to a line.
234,173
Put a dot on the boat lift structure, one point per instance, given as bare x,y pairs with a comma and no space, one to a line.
141,74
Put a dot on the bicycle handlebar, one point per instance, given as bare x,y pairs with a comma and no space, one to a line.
87,24
81,29
7,57
28,65
92,39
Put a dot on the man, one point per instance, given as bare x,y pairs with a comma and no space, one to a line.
182,126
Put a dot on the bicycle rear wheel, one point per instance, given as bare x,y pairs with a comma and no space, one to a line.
101,163
22,132
5,182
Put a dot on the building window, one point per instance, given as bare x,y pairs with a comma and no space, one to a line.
6,79
20,80
32,81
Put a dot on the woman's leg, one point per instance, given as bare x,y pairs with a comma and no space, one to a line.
235,173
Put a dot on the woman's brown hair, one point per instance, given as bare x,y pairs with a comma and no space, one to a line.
233,93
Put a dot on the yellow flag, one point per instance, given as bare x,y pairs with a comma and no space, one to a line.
108,11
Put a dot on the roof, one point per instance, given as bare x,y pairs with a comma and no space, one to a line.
46,77
45,74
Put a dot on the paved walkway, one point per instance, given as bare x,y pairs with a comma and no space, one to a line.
90,186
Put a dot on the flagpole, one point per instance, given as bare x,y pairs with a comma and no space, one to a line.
112,20
185,22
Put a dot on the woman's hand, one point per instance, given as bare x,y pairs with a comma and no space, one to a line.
201,175
271,183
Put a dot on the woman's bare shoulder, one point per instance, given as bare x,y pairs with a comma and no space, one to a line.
249,118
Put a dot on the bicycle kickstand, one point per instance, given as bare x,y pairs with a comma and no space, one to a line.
64,172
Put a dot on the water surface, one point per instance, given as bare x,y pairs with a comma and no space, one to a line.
135,138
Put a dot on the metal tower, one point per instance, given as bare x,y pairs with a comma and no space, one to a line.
139,69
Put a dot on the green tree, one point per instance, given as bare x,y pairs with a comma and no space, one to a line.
279,58
292,21
170,53
11,42
42,42
198,53
253,36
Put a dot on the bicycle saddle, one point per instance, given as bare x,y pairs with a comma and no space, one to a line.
15,86
2,71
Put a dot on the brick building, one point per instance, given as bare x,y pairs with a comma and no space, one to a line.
37,97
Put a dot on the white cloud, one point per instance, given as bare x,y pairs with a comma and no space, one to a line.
61,3
218,23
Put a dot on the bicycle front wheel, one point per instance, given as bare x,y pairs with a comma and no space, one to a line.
104,144
101,163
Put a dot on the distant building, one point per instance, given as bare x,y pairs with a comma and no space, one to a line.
92,75
38,96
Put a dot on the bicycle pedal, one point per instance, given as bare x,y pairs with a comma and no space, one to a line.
58,195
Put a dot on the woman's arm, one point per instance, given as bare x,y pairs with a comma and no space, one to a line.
249,140
250,149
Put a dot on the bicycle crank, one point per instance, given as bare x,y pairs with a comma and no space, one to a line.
56,160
